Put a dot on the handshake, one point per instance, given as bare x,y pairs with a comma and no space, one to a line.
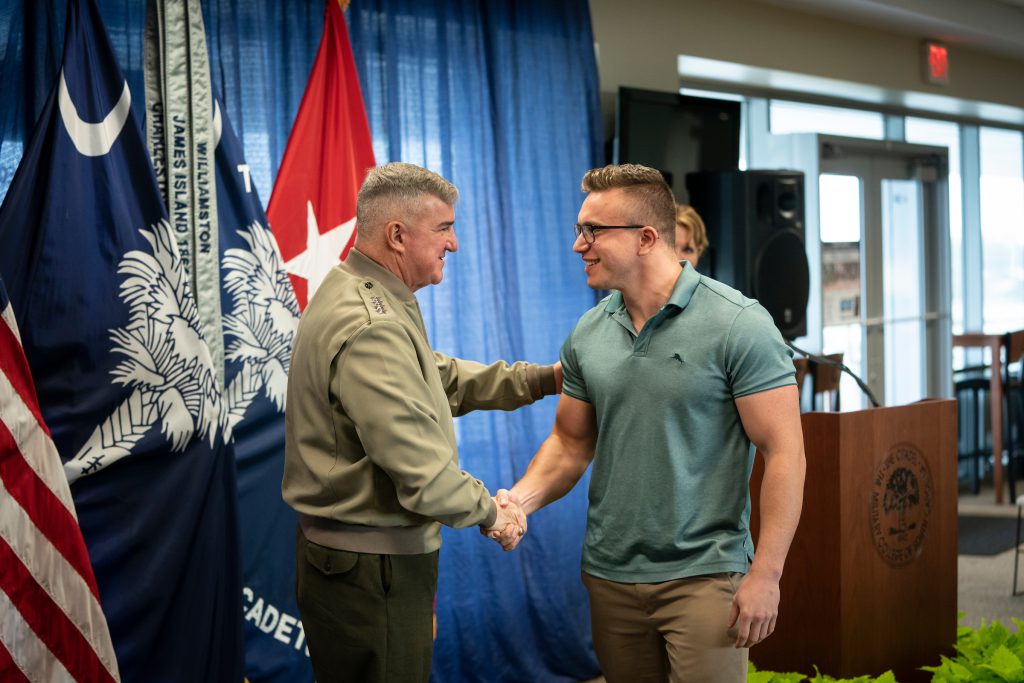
510,525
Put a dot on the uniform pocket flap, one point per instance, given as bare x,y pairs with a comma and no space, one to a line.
330,561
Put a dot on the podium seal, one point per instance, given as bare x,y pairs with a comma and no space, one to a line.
901,503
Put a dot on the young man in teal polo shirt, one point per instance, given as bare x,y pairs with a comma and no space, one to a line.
669,384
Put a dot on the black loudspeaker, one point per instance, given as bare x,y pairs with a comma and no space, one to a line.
755,222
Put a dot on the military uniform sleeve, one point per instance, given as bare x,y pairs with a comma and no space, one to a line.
498,386
382,389
756,357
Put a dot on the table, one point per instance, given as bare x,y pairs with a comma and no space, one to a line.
994,342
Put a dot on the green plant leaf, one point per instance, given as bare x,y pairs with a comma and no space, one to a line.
773,677
949,671
987,654
959,671
1005,664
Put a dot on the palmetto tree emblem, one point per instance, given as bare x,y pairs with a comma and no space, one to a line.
262,322
167,363
901,494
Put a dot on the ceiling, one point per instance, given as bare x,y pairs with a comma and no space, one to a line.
995,26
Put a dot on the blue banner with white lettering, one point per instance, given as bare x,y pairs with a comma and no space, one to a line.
124,376
260,318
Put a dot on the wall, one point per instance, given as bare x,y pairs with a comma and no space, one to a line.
638,43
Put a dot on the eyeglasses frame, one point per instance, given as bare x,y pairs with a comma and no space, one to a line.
588,229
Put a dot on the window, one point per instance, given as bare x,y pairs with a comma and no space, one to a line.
840,225
1002,229
795,117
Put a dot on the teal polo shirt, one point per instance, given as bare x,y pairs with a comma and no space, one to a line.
669,495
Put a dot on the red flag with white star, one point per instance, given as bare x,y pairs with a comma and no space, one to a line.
312,209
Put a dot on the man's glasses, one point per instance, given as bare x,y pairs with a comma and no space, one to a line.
588,230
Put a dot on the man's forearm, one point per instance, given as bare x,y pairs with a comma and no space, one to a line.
781,501
552,473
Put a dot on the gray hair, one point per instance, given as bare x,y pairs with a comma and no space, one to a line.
391,192
650,196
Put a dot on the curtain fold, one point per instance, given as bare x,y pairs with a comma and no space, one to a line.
501,98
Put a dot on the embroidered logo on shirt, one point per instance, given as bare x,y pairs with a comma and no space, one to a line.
377,304
676,356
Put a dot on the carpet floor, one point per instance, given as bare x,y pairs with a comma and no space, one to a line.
985,535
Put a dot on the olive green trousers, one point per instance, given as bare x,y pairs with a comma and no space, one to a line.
367,618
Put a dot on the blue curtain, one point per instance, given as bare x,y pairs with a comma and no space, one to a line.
499,96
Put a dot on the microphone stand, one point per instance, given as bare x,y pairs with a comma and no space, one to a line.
836,364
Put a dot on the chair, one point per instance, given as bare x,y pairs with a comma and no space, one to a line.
825,383
1013,396
974,444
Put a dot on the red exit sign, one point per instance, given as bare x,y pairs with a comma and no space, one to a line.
936,63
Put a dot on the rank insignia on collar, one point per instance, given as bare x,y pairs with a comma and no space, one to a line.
377,304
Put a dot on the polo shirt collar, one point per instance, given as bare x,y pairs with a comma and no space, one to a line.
361,265
682,291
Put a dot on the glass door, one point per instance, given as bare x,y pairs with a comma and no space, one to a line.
885,267
842,285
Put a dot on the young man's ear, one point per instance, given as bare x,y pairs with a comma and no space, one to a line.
648,238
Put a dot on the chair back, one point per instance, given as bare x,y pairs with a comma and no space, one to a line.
1013,395
974,436
825,383
1014,345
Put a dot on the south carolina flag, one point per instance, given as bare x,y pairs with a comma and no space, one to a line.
312,209
124,376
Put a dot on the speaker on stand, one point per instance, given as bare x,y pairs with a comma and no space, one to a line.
755,223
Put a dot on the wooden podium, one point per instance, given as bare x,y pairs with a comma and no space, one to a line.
870,580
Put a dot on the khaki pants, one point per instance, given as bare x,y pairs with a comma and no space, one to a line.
367,618
672,631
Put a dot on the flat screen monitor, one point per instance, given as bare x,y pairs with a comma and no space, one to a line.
676,134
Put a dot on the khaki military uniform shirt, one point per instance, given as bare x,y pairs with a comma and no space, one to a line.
371,462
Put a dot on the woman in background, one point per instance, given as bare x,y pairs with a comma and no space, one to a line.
691,235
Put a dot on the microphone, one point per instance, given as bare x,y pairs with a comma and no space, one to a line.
842,366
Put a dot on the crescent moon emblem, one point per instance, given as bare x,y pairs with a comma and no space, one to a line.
93,139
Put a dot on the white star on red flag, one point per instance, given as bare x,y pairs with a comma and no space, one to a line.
323,251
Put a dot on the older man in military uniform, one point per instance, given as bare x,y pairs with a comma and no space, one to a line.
371,462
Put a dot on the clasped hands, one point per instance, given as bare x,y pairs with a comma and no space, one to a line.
510,525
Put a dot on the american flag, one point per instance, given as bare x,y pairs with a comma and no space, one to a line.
51,625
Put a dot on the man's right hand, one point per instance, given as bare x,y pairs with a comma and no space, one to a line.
510,525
